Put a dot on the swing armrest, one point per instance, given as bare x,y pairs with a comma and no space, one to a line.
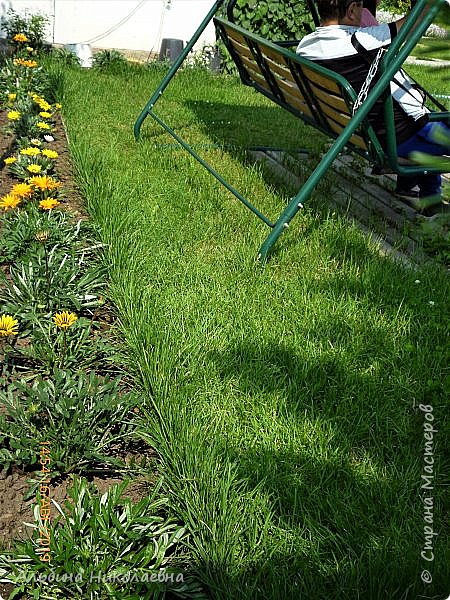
439,116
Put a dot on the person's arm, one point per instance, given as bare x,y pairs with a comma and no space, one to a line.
399,24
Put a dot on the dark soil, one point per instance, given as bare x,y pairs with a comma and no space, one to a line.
63,166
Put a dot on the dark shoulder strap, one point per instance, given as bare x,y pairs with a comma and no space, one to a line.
365,54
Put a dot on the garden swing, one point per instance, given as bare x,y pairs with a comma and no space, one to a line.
322,98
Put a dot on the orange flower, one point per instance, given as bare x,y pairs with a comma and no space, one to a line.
20,37
44,182
64,319
23,62
22,190
9,201
49,203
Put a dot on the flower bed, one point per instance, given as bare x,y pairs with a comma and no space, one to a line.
66,408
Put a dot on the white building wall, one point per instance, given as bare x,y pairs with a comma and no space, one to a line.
127,24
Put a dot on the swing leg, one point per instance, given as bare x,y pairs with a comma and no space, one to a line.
308,187
165,82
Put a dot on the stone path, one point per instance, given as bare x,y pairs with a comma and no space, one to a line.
366,200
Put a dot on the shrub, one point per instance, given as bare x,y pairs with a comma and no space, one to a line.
272,19
32,26
109,59
65,57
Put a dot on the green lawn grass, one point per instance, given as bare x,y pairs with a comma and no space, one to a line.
282,402
431,49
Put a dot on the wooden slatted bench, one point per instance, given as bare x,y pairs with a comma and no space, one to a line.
316,95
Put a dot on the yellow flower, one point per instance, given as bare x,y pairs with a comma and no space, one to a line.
58,106
43,125
49,203
45,115
10,160
64,319
20,37
30,151
22,190
9,201
13,115
42,236
41,102
8,326
49,153
33,168
12,97
44,182
35,142
23,62
29,49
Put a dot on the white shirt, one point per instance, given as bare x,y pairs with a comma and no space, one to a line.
334,41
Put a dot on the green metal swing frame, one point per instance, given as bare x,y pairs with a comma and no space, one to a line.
394,58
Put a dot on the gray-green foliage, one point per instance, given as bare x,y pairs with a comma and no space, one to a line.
65,57
81,415
62,272
103,547
109,59
78,348
19,230
51,281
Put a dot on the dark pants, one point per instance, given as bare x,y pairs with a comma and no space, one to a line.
424,141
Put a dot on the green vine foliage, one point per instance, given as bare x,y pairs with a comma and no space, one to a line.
396,7
274,20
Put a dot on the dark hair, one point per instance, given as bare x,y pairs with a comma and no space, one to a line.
332,9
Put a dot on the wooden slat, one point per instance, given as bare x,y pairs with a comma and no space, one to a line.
251,63
234,35
355,139
322,80
273,55
280,70
343,118
335,101
299,105
256,75
291,89
293,96
325,92
252,66
242,50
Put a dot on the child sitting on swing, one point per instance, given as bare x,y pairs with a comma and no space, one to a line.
343,46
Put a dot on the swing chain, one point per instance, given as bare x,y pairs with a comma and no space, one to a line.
366,85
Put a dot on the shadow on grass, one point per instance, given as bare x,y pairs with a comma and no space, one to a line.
346,487
236,129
